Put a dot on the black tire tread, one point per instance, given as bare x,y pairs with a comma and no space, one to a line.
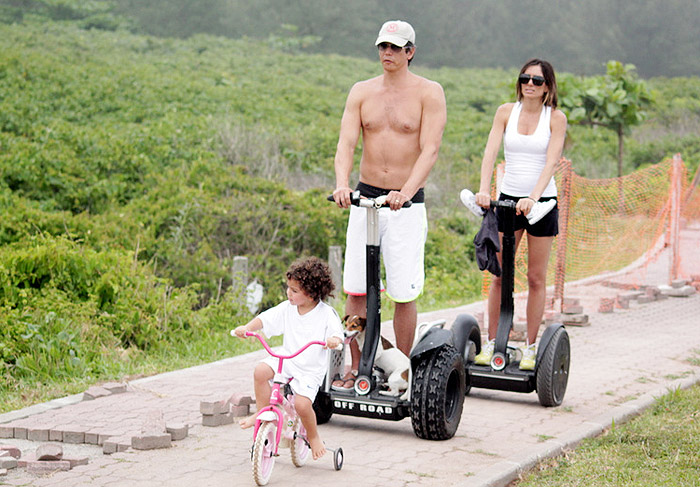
429,394
546,386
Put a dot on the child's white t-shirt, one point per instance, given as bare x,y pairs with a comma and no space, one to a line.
321,323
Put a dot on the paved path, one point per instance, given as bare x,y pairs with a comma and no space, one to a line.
618,365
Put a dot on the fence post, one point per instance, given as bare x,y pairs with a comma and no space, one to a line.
675,216
335,262
565,168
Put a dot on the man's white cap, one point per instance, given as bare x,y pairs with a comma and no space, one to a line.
396,32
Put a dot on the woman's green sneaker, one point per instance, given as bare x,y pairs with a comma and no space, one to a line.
484,358
529,357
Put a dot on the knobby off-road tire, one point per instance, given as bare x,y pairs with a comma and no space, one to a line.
553,370
264,446
323,407
437,394
299,448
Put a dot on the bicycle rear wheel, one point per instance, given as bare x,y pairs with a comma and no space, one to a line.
300,447
263,451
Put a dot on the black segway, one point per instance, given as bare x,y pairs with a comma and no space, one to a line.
551,373
436,386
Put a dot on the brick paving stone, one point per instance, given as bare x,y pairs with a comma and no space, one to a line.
177,431
46,467
49,451
151,441
11,450
8,462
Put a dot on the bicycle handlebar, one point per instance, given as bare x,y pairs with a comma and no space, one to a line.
364,202
269,350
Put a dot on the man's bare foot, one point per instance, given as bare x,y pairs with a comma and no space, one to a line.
247,422
318,449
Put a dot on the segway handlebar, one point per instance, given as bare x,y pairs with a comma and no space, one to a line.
538,211
362,201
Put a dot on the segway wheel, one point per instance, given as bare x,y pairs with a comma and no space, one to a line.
323,407
472,349
437,394
338,459
553,370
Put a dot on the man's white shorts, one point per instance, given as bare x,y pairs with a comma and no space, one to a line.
402,236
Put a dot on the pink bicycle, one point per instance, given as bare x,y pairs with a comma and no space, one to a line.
279,421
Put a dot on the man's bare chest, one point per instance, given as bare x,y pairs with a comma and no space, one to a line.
395,113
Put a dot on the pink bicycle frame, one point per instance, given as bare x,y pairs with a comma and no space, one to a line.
276,396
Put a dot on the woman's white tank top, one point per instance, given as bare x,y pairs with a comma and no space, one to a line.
526,155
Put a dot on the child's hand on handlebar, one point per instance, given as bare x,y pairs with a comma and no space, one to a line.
333,342
240,331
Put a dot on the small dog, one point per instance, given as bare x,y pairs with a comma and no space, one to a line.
392,361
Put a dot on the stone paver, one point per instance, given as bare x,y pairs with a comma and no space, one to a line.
619,364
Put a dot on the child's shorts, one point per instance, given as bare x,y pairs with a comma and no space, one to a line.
301,384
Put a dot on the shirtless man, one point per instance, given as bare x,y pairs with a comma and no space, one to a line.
401,117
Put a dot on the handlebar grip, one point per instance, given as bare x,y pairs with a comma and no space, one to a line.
355,200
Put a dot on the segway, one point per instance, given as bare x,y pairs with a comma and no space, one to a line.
436,385
551,373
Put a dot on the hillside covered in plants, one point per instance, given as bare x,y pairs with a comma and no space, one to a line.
133,169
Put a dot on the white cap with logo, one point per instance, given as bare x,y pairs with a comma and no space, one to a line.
396,32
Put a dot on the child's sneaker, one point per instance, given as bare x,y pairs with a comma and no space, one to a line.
484,358
529,357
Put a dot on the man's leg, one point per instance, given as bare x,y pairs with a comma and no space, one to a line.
405,320
354,305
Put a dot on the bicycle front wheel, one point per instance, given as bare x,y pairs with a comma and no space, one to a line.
263,453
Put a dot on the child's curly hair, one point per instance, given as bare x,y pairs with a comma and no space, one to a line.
314,277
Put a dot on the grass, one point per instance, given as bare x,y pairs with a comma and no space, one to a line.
207,350
660,447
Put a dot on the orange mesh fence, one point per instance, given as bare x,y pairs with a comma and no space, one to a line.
608,224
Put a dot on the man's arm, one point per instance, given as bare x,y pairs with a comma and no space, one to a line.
432,126
350,127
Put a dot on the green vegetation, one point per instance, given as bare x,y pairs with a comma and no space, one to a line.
660,38
658,448
133,169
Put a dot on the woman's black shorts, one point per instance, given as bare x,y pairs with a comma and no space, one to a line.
548,226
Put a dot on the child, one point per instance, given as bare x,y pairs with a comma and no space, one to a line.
304,317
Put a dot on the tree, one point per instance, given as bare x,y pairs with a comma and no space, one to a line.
617,101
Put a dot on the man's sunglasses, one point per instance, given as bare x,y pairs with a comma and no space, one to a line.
524,79
383,46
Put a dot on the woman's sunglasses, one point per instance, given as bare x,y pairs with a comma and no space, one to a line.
524,79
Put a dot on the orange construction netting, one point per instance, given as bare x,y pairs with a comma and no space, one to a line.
607,225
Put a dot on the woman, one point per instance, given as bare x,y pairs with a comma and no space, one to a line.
533,132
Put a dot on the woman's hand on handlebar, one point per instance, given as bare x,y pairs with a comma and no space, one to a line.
524,206
342,196
483,199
